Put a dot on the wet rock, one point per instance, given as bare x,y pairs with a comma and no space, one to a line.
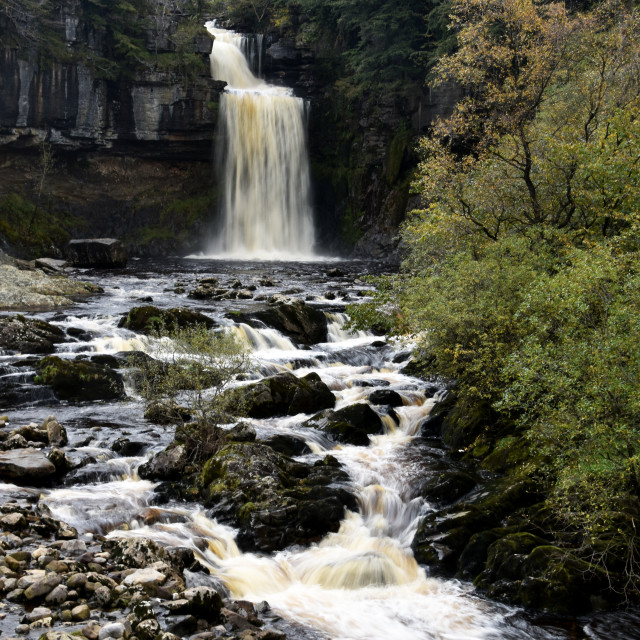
284,394
350,425
294,318
42,587
127,448
92,630
387,397
150,319
81,613
56,433
443,536
273,500
147,629
168,464
28,335
167,413
135,552
51,265
113,630
448,487
242,432
204,602
80,380
57,635
288,444
37,614
145,577
104,253
57,595
26,466
60,461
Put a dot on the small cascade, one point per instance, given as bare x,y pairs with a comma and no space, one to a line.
261,160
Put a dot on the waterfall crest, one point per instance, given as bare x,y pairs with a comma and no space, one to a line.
261,161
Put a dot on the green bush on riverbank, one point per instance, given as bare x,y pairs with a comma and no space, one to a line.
523,268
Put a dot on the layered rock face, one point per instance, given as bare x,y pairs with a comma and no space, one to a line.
74,107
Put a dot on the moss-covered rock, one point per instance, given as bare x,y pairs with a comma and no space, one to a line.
442,537
80,380
149,319
523,568
28,335
294,318
350,425
283,394
274,501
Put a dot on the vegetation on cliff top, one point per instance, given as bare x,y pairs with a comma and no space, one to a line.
523,269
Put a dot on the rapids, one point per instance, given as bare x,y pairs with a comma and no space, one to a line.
361,582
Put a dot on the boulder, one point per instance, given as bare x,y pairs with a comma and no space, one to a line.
25,466
273,501
282,394
149,319
350,425
80,380
387,397
28,335
104,253
292,317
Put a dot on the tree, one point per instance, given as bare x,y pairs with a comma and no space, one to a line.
186,376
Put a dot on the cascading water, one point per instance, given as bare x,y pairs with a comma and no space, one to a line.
261,161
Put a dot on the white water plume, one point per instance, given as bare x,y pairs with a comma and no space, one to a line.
261,161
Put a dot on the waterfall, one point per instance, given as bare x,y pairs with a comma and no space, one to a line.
261,160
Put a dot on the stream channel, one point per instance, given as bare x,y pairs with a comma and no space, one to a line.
359,583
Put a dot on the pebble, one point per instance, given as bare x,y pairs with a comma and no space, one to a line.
37,614
112,630
81,612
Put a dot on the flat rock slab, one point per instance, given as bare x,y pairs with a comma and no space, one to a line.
23,290
25,465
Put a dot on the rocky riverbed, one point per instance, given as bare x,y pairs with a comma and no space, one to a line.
317,500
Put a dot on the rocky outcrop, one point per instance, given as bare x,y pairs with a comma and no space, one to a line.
26,467
28,335
296,319
32,289
80,380
149,319
281,395
105,253
350,425
274,501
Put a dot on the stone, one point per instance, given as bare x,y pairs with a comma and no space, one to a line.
91,631
80,380
351,425
204,602
73,547
56,433
273,501
145,577
13,522
105,253
58,595
42,587
28,335
22,289
81,612
51,265
149,319
387,397
25,466
147,629
37,614
284,394
102,595
112,630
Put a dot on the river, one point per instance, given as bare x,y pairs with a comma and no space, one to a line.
359,583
